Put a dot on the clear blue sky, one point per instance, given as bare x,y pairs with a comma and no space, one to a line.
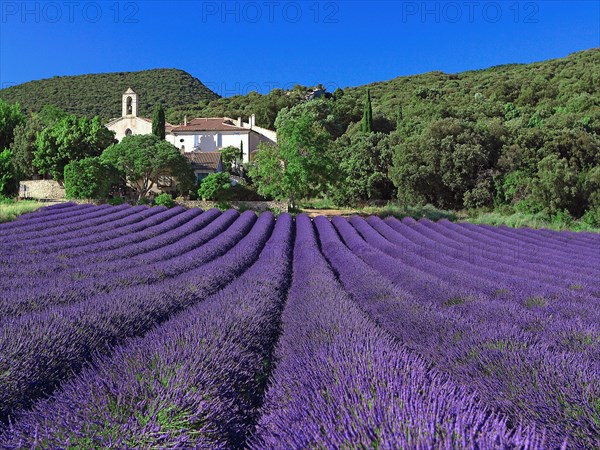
235,47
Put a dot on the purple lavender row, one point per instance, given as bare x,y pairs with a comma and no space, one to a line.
519,361
560,254
27,243
536,251
41,350
581,236
65,236
87,249
100,220
526,255
45,213
561,242
195,381
340,382
422,269
477,273
521,258
43,263
101,261
558,241
98,263
445,288
211,242
25,254
128,255
569,238
44,227
66,217
537,248
577,312
445,245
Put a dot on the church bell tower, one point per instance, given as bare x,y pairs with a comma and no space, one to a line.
130,103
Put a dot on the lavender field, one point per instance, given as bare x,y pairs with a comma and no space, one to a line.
137,327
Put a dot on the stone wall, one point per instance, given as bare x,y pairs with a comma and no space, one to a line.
254,206
41,189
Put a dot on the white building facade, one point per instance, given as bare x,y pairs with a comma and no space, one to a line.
209,134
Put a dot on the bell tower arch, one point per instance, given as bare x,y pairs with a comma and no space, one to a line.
130,103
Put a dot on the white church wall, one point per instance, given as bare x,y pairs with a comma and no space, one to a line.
135,124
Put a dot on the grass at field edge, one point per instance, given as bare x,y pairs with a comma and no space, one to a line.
10,210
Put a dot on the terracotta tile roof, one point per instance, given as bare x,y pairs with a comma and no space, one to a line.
210,124
204,160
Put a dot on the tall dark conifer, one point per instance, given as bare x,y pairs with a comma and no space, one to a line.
367,120
399,117
158,121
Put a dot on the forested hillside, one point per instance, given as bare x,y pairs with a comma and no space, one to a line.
100,94
520,138
436,94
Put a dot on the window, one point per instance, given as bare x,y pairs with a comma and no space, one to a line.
128,132
129,105
164,181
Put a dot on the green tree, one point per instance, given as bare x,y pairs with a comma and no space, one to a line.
367,120
10,117
297,167
23,146
445,161
69,139
230,156
158,121
142,159
25,136
363,160
216,186
555,187
9,184
89,178
338,93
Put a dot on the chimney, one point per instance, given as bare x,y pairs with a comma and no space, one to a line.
185,120
252,120
240,123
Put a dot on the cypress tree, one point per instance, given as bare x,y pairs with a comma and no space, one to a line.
158,121
367,120
399,117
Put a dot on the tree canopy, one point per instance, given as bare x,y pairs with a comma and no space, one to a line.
89,178
69,139
10,117
142,159
158,121
296,167
8,177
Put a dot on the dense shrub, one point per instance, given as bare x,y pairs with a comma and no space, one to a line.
115,201
215,186
9,184
88,178
165,200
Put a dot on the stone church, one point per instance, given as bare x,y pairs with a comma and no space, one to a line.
198,135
